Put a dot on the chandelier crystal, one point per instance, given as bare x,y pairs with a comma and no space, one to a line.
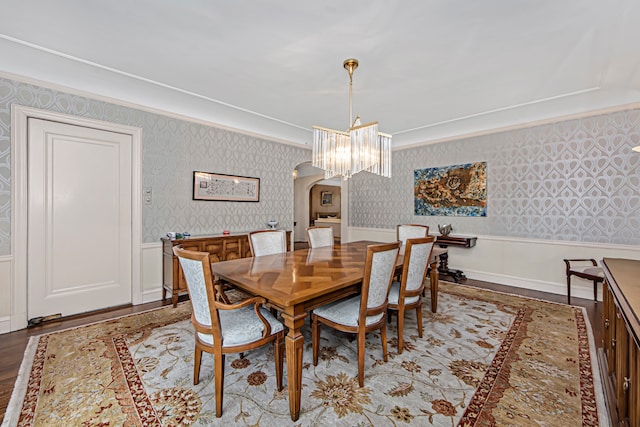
360,148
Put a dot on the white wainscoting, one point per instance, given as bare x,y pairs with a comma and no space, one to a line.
6,264
151,286
151,259
524,263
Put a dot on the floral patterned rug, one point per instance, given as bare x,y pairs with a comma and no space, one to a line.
485,359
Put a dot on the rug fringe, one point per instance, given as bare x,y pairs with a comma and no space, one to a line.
12,414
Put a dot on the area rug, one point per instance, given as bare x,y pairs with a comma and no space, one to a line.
486,359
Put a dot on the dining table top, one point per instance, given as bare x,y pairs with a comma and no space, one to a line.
296,283
293,277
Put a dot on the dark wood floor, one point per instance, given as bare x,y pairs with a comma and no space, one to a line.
12,345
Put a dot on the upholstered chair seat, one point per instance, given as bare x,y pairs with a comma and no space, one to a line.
345,312
242,326
394,295
585,268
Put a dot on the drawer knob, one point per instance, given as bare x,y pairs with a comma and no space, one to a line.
606,323
627,383
613,342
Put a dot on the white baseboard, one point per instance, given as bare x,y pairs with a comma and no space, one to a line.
534,264
578,289
151,272
152,295
5,324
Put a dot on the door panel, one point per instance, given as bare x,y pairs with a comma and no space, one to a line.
79,219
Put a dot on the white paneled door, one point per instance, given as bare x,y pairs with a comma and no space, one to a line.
79,219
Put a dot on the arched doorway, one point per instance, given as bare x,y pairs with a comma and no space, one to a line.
308,200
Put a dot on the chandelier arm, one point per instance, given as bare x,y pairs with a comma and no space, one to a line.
363,126
330,130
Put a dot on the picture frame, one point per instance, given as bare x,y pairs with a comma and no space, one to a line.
229,188
326,198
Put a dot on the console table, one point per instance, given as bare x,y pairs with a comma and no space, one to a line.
444,242
221,247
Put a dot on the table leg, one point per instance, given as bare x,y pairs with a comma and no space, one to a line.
294,343
434,278
456,275
174,299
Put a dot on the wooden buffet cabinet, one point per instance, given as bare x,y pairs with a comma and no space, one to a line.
221,247
619,356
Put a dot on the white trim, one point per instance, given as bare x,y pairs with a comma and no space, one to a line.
151,295
520,262
519,282
154,245
526,125
123,103
5,324
148,109
19,116
6,273
392,233
151,256
555,242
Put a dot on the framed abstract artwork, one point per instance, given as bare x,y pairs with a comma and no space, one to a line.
219,187
457,190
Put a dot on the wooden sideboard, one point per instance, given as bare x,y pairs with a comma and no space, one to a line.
221,247
619,357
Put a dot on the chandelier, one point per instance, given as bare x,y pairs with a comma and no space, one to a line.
360,148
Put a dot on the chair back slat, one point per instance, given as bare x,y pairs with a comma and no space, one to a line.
417,256
410,231
194,276
320,236
196,268
379,269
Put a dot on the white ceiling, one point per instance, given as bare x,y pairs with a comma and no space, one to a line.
429,69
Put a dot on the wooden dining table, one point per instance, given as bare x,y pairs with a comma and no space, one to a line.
297,282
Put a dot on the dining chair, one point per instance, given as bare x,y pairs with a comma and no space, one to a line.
222,328
407,293
410,231
585,268
319,236
365,312
267,242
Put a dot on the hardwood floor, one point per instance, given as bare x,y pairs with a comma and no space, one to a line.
12,345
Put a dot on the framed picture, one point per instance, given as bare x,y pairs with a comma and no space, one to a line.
456,190
220,187
326,198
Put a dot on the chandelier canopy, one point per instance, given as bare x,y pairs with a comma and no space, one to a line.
359,148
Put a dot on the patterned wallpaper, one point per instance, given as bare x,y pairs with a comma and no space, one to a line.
172,150
576,180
